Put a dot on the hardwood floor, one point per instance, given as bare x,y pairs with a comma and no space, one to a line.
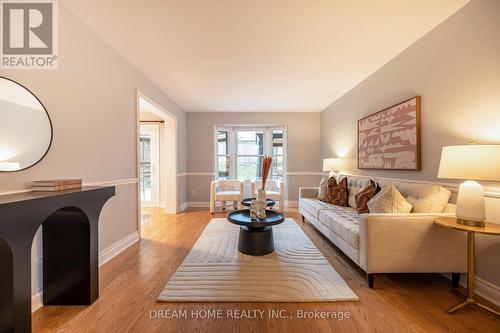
130,283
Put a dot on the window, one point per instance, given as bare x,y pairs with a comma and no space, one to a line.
239,151
223,154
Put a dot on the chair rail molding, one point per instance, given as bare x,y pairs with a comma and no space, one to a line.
116,182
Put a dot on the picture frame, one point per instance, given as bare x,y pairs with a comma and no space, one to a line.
390,139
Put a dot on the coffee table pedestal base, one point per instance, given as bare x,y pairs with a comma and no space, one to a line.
256,241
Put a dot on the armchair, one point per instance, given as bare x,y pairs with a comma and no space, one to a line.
225,190
275,189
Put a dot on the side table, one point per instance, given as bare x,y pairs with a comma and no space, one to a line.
490,229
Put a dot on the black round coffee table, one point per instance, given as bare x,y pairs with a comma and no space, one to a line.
256,235
248,201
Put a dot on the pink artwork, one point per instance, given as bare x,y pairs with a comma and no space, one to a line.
390,139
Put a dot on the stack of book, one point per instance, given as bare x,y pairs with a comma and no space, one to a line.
56,185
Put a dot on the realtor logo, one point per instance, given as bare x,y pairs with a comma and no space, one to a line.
29,34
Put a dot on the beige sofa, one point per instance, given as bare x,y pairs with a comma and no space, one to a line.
391,243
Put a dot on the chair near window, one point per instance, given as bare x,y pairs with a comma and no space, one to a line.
225,190
275,189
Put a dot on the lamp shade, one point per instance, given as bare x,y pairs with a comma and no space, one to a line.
331,164
475,162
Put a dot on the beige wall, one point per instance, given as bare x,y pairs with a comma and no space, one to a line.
302,147
456,70
91,100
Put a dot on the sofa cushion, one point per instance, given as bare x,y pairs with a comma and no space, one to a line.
336,192
343,221
425,198
322,189
314,206
354,186
389,200
363,196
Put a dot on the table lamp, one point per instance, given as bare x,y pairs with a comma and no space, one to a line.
9,166
332,165
470,162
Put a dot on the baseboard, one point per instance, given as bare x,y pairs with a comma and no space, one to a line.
163,204
206,204
182,207
198,204
483,288
487,290
115,249
104,256
36,302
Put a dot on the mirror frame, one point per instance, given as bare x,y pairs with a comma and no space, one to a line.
50,123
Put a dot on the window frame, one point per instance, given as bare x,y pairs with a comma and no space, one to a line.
233,146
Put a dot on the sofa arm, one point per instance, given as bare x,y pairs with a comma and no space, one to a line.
308,192
409,243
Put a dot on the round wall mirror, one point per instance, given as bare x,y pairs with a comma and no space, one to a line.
25,127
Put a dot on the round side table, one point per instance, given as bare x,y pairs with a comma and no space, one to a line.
256,235
490,229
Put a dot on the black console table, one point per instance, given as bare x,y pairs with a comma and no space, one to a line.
69,221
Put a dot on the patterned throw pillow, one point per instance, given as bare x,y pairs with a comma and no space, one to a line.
336,193
389,200
363,196
322,189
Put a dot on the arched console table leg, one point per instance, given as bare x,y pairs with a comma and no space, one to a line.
66,258
6,288
18,301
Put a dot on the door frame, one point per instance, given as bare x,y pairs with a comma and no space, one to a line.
169,149
154,129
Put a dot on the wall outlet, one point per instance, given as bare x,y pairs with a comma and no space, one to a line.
193,192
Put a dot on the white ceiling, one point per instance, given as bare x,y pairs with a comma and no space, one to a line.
260,55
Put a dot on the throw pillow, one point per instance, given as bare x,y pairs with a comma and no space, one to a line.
389,200
322,189
363,196
336,193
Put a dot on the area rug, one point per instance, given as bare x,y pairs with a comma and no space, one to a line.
215,271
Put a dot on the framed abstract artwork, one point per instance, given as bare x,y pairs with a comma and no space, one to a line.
390,139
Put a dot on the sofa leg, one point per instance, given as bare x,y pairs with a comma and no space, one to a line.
303,219
371,280
455,279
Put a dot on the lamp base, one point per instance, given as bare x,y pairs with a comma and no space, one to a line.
470,204
478,224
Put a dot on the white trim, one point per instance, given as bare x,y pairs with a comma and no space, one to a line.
206,204
36,301
198,204
115,249
306,173
163,204
292,173
492,192
104,256
196,174
15,192
182,207
487,290
112,182
483,288
99,183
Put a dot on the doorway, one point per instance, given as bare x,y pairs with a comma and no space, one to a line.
149,164
156,158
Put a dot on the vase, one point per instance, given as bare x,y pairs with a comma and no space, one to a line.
261,204
253,209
